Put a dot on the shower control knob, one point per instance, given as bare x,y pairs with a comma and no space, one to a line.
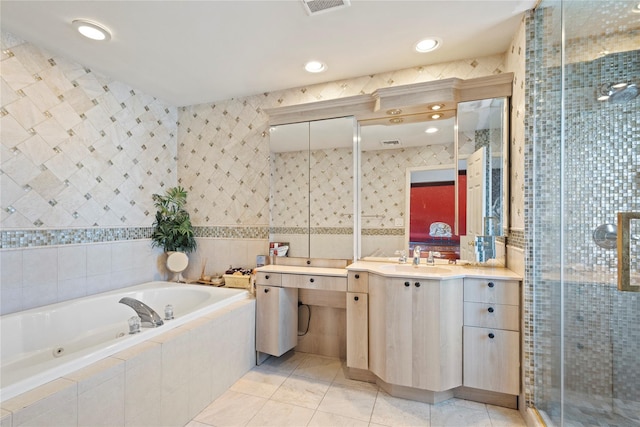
490,310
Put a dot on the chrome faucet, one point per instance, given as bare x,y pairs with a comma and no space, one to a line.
431,258
149,317
416,255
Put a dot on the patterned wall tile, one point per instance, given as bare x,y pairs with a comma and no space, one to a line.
78,149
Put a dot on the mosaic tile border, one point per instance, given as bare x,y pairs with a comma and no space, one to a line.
14,239
313,230
516,239
10,239
382,232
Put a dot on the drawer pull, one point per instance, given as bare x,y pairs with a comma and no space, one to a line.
266,277
356,298
491,335
308,262
491,284
311,280
490,309
266,290
357,276
417,284
407,284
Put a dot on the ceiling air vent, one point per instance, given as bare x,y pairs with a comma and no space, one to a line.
313,7
390,142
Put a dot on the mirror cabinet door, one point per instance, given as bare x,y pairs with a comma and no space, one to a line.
312,194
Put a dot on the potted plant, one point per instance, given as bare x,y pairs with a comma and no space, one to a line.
172,229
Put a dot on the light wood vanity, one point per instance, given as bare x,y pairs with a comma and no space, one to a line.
425,333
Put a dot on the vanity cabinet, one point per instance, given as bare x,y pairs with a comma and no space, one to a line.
491,335
415,331
357,320
276,315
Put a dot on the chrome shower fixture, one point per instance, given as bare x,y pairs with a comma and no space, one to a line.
617,92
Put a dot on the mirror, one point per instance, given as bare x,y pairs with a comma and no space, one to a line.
410,179
312,187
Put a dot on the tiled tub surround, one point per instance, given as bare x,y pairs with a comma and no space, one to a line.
164,381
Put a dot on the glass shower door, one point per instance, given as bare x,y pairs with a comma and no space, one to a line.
589,146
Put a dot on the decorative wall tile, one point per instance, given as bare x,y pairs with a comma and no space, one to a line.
63,129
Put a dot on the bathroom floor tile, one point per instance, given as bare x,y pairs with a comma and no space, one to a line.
318,367
259,382
280,414
231,409
325,419
353,402
301,391
393,411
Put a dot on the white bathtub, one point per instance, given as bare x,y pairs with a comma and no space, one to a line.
45,343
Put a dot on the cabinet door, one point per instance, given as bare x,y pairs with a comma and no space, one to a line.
357,330
491,360
276,319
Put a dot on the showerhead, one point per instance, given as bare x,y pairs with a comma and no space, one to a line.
618,92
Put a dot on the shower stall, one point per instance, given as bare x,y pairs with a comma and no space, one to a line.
582,334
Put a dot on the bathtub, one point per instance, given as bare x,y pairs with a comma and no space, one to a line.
45,343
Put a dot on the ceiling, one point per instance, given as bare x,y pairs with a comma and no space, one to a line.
191,52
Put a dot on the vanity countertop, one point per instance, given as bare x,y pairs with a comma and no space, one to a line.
438,271
291,269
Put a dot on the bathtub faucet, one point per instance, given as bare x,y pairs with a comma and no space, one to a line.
149,317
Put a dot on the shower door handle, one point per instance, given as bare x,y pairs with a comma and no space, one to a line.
624,253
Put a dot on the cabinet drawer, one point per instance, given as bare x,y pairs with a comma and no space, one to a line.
492,360
308,281
357,330
268,279
486,315
358,281
492,291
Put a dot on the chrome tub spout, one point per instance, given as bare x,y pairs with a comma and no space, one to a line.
148,316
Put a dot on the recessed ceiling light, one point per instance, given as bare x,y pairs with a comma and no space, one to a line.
92,30
431,130
315,66
436,107
427,45
436,116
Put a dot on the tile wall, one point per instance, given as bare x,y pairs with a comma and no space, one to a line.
107,147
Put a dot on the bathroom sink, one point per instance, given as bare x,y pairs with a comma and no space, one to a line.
420,269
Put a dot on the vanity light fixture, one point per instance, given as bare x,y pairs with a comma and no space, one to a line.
394,112
436,107
428,44
92,30
431,130
315,66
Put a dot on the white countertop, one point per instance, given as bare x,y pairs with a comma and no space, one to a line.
438,271
389,269
292,269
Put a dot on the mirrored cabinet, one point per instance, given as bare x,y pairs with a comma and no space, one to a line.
375,175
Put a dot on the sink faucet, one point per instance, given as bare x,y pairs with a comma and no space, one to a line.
149,317
430,259
416,255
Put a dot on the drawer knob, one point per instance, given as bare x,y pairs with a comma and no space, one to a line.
308,262
356,298
266,277
417,284
266,290
357,276
491,284
491,335
311,280
490,310
407,284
